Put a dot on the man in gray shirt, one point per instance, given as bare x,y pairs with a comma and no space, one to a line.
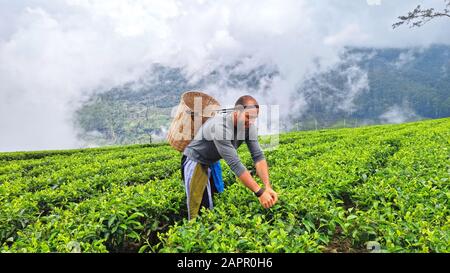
219,137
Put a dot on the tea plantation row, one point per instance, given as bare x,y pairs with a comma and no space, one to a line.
342,190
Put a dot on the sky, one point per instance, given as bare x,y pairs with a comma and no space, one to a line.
54,53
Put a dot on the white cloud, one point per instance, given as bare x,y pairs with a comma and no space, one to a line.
53,53
406,57
350,34
374,2
396,114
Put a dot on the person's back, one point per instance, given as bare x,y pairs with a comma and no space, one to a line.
218,138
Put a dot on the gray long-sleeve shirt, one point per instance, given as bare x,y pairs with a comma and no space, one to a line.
218,138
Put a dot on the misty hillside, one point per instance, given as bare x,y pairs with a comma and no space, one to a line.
376,86
369,86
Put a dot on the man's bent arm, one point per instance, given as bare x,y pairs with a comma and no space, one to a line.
229,154
248,181
263,172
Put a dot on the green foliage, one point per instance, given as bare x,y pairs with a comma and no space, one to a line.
45,196
381,188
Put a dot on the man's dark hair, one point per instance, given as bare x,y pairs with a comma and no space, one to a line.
246,102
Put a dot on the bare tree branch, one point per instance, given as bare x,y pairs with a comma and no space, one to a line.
418,17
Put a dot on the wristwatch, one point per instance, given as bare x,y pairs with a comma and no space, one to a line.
260,192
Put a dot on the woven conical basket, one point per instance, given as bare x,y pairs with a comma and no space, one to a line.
184,126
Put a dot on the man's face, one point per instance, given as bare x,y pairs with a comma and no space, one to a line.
248,117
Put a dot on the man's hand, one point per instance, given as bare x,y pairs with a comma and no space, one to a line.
273,194
266,200
269,196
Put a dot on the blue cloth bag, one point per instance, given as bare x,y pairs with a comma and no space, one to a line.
216,172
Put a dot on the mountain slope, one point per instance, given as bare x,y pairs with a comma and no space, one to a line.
369,86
